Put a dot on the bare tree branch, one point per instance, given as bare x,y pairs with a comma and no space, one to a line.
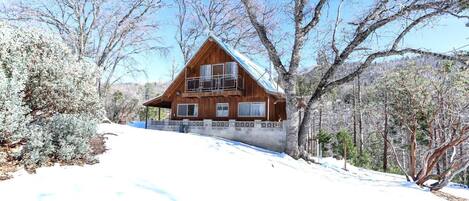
107,32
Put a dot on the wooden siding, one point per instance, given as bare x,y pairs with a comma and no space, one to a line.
207,108
211,53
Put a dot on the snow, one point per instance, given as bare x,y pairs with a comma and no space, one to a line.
157,165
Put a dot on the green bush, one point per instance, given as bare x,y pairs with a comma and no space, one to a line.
395,170
363,160
324,139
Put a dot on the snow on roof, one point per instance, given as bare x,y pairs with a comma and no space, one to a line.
258,73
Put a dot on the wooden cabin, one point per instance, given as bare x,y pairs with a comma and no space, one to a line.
221,84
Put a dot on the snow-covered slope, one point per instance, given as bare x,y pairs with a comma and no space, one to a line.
156,165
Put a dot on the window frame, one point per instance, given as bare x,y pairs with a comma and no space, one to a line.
234,72
206,77
222,68
250,109
227,107
196,110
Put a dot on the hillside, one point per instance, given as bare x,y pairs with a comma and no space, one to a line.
156,165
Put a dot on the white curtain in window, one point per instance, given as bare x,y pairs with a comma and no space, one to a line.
231,69
251,109
257,109
206,72
222,109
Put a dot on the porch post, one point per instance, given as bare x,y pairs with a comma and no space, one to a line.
146,117
159,114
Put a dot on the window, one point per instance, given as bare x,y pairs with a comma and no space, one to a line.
206,72
218,69
222,109
256,109
231,68
187,110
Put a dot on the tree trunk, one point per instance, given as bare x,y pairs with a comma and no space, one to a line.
345,155
313,133
360,133
445,156
293,118
385,151
448,175
303,131
464,174
438,167
354,115
412,153
320,118
402,168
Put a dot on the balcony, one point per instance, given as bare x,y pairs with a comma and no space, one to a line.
213,86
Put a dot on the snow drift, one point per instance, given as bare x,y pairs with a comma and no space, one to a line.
157,165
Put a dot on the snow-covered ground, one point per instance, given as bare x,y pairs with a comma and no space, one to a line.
155,165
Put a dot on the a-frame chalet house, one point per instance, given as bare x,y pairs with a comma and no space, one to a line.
222,92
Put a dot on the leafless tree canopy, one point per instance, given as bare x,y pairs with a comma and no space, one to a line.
223,18
108,32
380,16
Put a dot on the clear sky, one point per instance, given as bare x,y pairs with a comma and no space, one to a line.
441,36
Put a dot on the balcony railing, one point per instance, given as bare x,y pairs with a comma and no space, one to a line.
214,83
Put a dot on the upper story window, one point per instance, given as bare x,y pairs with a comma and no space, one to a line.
187,110
218,69
206,72
231,68
251,109
226,69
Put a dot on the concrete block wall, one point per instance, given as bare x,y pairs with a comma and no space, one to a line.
271,138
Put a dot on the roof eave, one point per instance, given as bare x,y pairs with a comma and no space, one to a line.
146,103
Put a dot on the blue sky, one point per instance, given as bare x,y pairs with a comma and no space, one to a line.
441,36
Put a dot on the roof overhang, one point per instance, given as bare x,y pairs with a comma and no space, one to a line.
158,101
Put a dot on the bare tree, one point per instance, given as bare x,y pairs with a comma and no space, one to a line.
174,70
223,18
305,17
110,33
188,31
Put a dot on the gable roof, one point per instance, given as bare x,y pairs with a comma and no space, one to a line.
258,73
